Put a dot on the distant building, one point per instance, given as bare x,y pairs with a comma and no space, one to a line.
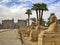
15,25
21,23
6,24
0,26
9,24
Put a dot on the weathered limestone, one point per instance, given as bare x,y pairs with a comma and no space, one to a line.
29,29
34,33
27,33
51,36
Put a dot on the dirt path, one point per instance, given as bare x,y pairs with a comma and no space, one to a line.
9,38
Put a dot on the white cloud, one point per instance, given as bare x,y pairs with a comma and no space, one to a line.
54,8
5,0
39,1
18,12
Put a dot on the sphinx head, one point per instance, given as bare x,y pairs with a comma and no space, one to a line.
53,19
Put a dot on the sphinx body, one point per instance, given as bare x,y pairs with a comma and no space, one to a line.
51,36
34,32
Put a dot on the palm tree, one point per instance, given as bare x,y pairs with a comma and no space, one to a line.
28,12
43,7
35,7
39,8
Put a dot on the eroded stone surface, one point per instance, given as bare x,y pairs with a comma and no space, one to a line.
51,36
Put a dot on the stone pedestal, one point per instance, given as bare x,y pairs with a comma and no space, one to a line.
51,38
34,35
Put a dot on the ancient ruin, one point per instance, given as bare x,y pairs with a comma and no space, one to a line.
10,24
51,36
43,35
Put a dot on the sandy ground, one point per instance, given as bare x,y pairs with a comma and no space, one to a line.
28,42
9,38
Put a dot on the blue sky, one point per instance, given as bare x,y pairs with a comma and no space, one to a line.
16,8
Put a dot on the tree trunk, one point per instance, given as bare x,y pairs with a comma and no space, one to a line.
28,19
41,16
37,14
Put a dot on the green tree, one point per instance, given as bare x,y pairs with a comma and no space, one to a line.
28,12
43,22
33,19
43,7
58,21
35,7
39,8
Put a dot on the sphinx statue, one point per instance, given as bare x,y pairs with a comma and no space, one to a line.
34,32
51,35
30,29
